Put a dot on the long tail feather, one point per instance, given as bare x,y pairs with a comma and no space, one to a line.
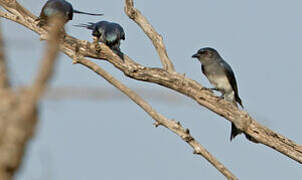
92,14
88,25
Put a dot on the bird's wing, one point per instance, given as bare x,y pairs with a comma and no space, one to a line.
231,77
202,69
121,31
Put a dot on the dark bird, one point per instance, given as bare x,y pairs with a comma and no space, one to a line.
109,33
221,76
58,7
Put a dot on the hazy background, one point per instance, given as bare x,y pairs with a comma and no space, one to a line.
112,138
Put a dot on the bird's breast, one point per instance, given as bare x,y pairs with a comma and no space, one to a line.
220,82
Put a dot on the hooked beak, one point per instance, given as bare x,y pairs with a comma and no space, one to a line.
195,56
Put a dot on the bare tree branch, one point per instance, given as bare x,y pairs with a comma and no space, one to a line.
18,120
4,82
18,111
156,38
48,62
79,48
46,71
160,119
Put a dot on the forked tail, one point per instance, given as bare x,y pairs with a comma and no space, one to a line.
89,25
234,132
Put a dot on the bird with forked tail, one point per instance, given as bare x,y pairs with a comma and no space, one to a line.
222,77
58,7
109,33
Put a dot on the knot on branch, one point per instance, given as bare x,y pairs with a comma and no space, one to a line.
129,9
243,125
187,136
184,133
132,13
156,124
197,150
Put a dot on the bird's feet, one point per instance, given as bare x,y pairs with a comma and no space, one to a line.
96,44
220,98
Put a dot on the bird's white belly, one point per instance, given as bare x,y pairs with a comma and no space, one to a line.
220,82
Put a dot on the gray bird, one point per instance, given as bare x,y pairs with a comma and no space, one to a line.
109,33
221,76
58,7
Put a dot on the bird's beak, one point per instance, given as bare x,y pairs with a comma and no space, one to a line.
195,56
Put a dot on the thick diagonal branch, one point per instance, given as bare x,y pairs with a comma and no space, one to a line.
160,119
149,30
175,81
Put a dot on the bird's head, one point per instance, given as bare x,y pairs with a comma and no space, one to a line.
206,54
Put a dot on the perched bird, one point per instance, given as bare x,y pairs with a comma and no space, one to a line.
109,33
58,7
221,76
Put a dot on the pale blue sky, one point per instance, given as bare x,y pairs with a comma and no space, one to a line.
114,139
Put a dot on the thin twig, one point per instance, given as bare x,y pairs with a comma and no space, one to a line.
160,119
149,30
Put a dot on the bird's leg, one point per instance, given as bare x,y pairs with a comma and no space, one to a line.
96,44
